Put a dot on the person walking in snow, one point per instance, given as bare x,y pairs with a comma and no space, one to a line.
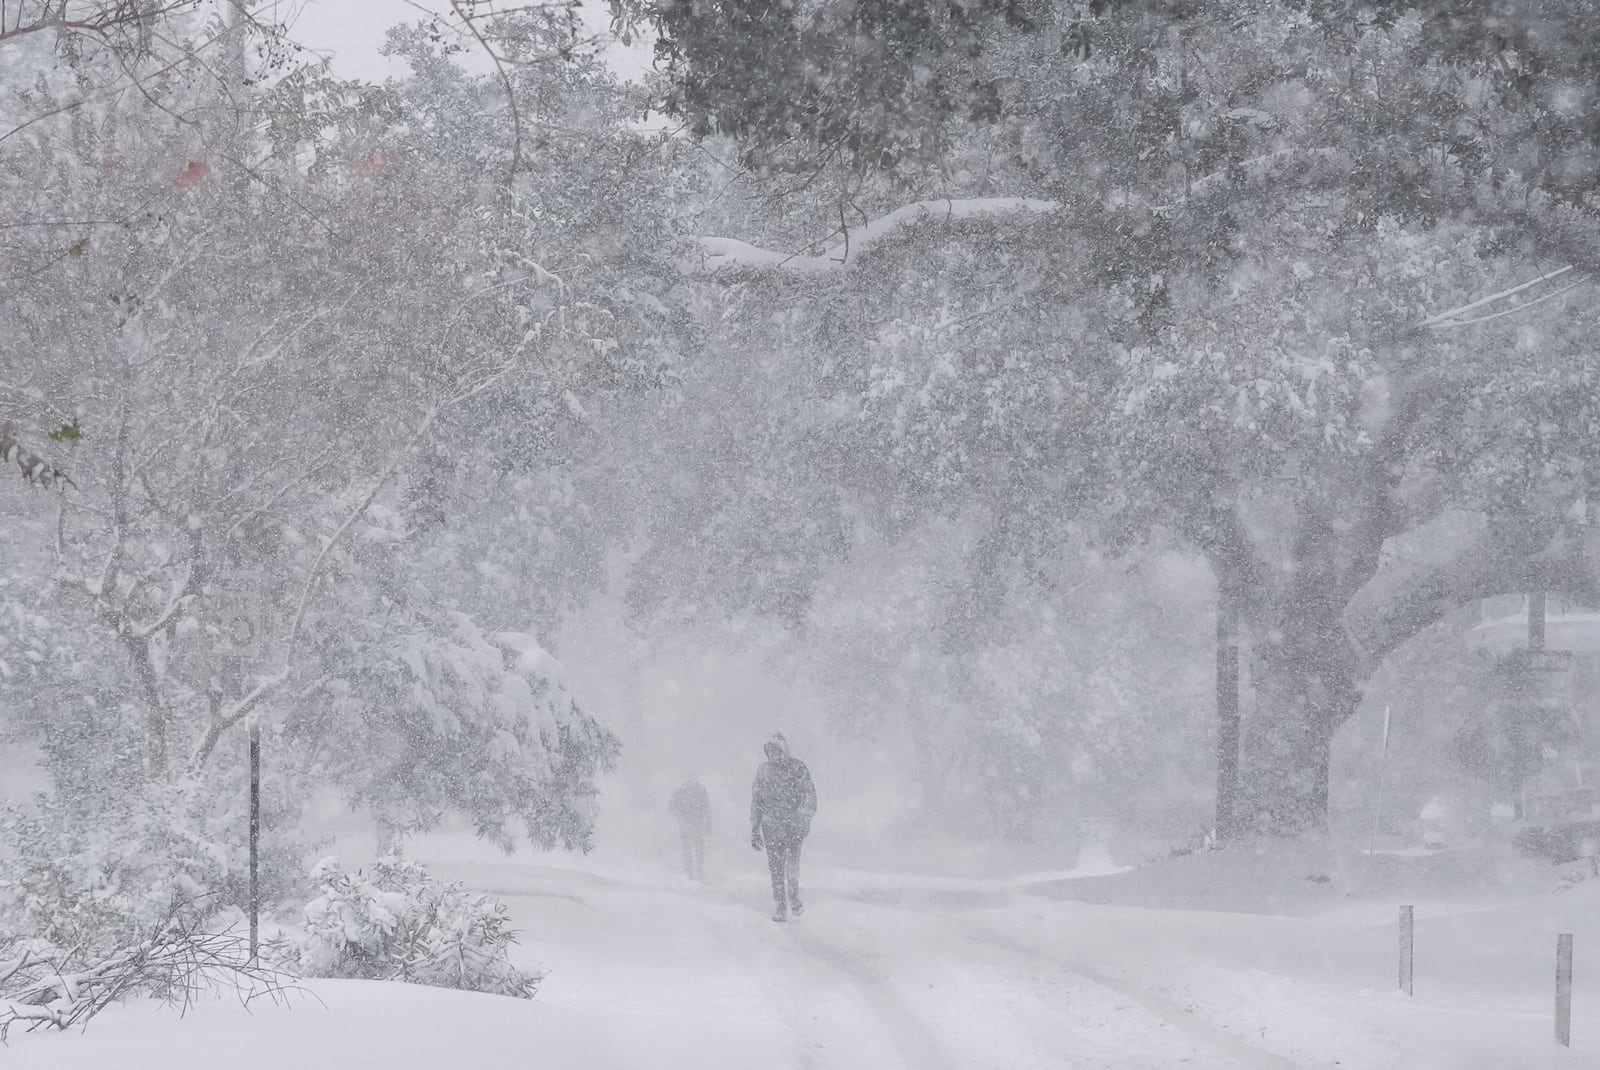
692,807
782,803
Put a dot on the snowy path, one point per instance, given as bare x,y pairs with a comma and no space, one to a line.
650,972
890,971
710,982
995,1002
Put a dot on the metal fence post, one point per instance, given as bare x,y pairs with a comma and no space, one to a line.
1564,989
255,839
1407,930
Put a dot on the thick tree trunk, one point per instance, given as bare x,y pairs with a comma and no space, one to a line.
1322,646
1307,685
1227,799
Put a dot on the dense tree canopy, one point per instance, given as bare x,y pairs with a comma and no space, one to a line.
332,400
1251,273
318,368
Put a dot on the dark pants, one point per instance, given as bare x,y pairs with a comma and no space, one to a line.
783,859
694,851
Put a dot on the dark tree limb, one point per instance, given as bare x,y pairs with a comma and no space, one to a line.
1511,554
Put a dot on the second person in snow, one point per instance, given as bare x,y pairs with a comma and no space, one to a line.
692,807
782,803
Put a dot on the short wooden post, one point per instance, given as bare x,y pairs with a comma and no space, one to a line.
1564,989
1407,928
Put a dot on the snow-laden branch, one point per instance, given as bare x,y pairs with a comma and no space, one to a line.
177,599
178,959
333,540
1502,556
1551,296
731,254
224,718
1452,317
1323,164
845,245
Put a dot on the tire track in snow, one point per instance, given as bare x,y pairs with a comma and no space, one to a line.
735,950
901,1035
915,1044
919,1049
1243,1052
933,903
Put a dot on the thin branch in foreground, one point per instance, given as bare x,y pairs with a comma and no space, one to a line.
1513,311
1448,318
467,17
176,960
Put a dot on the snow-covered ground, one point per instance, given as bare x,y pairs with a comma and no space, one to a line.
890,970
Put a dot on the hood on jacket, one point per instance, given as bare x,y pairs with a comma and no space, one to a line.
777,744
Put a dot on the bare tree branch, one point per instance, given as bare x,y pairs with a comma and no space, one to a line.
175,960
466,15
122,22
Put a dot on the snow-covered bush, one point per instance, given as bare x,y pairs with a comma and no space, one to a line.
395,922
95,876
113,896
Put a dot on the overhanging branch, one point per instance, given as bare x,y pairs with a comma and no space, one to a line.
1506,556
716,254
730,254
105,19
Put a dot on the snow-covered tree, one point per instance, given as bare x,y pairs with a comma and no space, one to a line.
1024,699
1187,274
313,330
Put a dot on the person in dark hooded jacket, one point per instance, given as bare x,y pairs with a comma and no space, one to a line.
692,807
782,803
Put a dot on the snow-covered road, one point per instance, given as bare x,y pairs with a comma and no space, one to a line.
704,980
648,971
888,971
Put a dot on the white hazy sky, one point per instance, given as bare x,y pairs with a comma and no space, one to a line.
352,31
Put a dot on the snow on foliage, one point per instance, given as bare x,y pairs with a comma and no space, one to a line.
90,876
395,922
1223,338
730,254
240,409
124,894
443,716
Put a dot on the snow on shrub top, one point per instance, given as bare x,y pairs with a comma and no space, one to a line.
398,923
